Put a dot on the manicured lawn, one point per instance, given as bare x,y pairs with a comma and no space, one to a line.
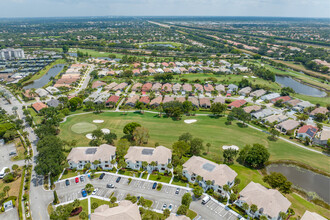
148,203
178,182
144,175
95,53
191,214
164,179
300,205
99,202
71,174
20,151
84,205
166,131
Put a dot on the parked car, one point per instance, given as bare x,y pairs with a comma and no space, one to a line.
77,180
95,191
13,153
83,193
82,179
164,206
170,207
2,172
110,185
177,191
205,200
67,182
118,179
154,185
102,175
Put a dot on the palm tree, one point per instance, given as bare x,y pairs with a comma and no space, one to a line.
6,189
28,158
245,206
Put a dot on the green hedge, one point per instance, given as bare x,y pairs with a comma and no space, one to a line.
20,209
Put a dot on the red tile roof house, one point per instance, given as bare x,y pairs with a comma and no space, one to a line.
283,98
167,87
198,87
205,102
165,64
320,110
194,101
237,103
136,72
146,87
208,88
172,64
307,131
179,99
156,101
98,84
167,70
151,71
168,99
145,100
183,70
112,101
187,88
38,106
136,65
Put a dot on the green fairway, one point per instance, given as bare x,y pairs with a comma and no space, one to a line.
166,131
95,53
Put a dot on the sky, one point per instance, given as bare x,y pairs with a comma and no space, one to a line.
67,8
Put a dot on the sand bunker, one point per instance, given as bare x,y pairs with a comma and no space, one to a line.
89,136
233,147
98,121
245,77
105,131
189,121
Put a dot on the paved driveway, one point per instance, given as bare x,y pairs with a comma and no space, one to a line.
5,158
140,187
10,215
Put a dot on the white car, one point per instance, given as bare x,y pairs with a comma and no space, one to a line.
95,191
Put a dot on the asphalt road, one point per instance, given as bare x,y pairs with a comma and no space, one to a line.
141,187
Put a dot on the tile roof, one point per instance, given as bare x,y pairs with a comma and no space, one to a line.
38,106
156,101
312,216
160,154
145,99
168,99
103,153
320,110
237,103
308,129
113,98
126,210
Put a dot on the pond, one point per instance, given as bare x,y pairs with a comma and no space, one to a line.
305,179
299,87
45,78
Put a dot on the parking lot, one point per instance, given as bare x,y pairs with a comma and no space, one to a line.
139,187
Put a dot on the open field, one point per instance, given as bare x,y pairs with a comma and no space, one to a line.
175,44
166,131
95,53
45,70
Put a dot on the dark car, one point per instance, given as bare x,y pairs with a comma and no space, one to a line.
118,179
102,175
67,182
12,153
110,185
154,185
83,193
82,179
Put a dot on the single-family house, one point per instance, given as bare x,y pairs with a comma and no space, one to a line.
323,137
102,98
194,101
205,102
232,88
52,90
252,108
120,86
126,210
112,101
132,100
219,99
237,103
167,70
186,88
176,87
98,84
275,118
137,87
198,87
145,100
156,87
146,87
180,99
293,102
167,87
319,110
269,201
37,106
110,86
176,70
307,131
218,174
80,156
151,71
168,99
161,155
165,64
302,105
262,113
288,125
53,103
136,72
269,96
156,101
220,88
258,93
41,92
284,99
245,91
208,88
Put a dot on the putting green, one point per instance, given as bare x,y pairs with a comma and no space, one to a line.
83,127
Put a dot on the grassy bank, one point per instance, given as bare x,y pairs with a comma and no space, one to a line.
166,131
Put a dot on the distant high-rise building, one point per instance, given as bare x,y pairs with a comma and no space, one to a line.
10,53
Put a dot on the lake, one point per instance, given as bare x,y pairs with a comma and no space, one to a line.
45,78
305,179
299,87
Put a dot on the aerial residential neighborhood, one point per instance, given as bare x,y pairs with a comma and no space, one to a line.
164,110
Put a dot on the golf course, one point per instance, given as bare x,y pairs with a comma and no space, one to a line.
165,131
